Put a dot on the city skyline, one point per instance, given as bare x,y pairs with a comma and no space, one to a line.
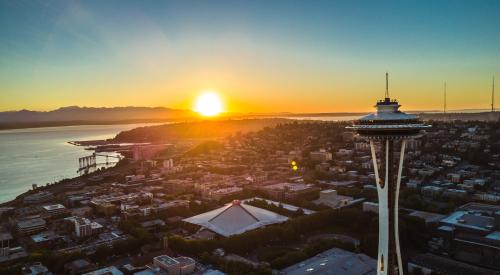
259,56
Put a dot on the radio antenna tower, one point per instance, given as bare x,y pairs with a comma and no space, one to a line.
386,85
493,96
444,103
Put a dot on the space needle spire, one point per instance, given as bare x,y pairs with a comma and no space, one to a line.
391,128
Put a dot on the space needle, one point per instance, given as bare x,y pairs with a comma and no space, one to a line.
391,128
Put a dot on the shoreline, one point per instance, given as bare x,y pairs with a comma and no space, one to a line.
34,125
54,185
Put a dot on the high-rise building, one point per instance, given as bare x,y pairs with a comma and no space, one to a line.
392,128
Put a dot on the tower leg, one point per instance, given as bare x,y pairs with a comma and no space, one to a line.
396,206
389,253
383,214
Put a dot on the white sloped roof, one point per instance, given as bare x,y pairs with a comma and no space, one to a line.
236,218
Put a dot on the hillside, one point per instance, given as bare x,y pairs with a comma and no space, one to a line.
202,129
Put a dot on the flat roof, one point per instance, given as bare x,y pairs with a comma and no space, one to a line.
5,236
53,207
445,228
80,263
213,272
31,223
427,216
148,271
44,236
480,207
341,183
470,219
39,195
152,223
334,261
434,188
494,236
166,260
110,270
95,225
185,260
289,186
38,269
440,263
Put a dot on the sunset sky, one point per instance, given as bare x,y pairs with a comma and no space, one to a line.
260,56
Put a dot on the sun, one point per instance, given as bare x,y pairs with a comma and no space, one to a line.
208,104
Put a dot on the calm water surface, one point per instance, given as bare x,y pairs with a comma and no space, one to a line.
43,155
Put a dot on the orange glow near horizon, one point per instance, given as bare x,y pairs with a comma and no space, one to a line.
209,104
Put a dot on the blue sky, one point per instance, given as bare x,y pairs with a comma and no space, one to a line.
260,55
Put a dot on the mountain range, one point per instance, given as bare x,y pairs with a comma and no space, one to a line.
76,113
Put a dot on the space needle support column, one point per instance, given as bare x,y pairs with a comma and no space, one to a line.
392,129
374,159
396,205
383,226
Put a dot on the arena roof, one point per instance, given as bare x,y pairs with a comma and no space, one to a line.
236,218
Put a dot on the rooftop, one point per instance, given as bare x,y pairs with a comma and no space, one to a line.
185,260
474,206
289,186
5,236
41,194
110,270
37,268
80,263
427,216
31,223
236,218
284,205
156,222
334,261
471,220
164,259
44,236
213,272
53,207
449,266
445,228
494,236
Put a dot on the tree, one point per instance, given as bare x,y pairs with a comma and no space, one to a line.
417,271
102,254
